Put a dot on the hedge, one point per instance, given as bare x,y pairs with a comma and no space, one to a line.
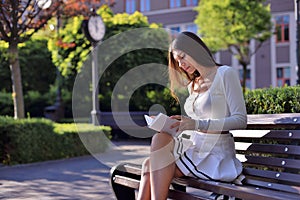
258,101
273,100
39,139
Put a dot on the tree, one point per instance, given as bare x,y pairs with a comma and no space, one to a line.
232,24
19,20
71,49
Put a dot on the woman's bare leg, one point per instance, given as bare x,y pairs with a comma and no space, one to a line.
144,189
162,165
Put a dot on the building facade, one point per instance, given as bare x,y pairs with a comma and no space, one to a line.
274,64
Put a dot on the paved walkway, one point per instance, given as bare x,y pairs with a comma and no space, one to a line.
85,177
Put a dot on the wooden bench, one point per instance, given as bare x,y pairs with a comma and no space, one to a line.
271,160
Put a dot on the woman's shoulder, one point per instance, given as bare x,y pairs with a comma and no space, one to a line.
225,68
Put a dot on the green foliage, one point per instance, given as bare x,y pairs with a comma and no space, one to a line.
70,59
4,71
122,65
33,140
6,104
37,69
35,102
233,22
273,100
145,97
71,48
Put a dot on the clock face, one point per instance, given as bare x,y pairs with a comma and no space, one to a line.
96,28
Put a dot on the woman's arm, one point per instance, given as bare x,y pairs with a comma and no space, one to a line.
237,118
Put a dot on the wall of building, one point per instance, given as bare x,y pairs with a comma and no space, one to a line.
262,72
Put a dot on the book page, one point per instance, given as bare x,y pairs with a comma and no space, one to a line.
161,123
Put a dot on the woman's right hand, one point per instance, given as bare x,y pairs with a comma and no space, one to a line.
184,123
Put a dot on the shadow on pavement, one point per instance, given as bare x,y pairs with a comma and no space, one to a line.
75,178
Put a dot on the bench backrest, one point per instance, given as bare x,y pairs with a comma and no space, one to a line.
271,158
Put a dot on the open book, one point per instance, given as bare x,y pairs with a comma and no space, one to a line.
161,123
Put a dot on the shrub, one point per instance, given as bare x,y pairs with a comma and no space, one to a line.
38,139
6,104
273,100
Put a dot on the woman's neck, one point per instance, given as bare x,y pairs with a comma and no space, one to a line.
207,72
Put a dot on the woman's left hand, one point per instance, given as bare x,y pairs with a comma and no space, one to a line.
184,123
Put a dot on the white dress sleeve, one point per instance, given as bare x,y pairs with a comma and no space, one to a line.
237,114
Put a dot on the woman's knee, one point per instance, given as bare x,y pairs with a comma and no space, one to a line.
146,165
160,140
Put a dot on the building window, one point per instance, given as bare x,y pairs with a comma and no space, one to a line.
192,28
144,5
130,6
248,77
184,27
283,76
191,2
175,3
282,28
175,29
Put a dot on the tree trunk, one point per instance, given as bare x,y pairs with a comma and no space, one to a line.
17,91
244,77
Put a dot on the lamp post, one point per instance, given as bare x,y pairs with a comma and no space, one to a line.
58,100
57,110
95,113
58,105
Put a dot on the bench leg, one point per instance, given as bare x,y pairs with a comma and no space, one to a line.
215,196
178,187
121,192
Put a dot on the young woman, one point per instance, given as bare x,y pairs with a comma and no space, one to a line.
204,147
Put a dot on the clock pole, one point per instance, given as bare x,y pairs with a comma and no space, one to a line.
96,108
94,29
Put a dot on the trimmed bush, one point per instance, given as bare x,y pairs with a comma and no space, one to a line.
273,100
6,104
39,139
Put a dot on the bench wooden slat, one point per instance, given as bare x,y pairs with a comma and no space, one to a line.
178,195
293,179
133,168
274,186
268,134
126,181
246,193
219,187
268,148
274,162
133,183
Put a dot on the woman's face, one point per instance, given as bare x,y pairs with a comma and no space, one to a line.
184,61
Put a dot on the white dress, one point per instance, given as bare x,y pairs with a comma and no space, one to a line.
221,107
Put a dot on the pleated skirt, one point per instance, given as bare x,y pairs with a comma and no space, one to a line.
207,156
